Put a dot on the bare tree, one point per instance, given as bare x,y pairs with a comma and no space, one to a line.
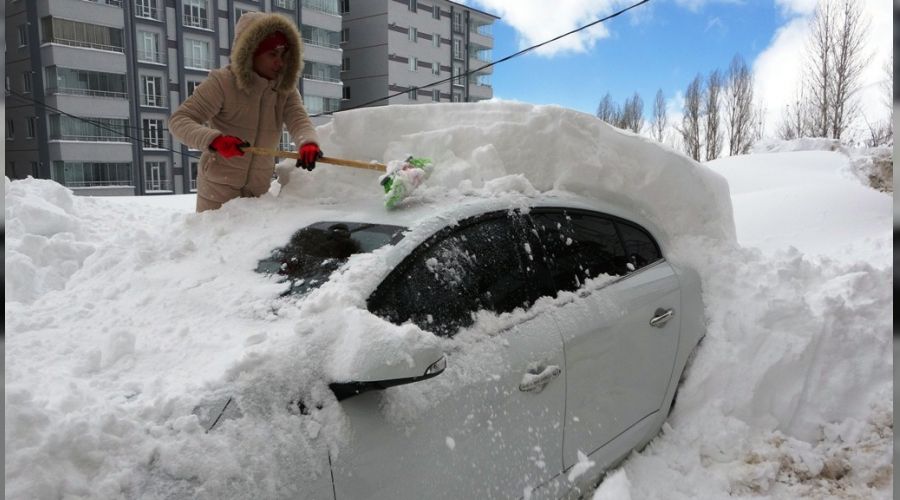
849,60
711,110
881,132
793,120
660,119
818,68
690,121
739,106
633,114
608,110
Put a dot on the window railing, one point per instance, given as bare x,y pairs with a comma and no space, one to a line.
155,143
147,12
153,56
321,78
196,21
158,184
114,3
89,45
86,92
80,184
320,43
326,6
198,62
153,101
88,138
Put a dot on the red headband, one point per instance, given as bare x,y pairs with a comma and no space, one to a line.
273,41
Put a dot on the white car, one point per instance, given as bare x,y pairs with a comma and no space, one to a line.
575,330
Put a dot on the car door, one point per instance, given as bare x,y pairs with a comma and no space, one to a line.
491,425
618,366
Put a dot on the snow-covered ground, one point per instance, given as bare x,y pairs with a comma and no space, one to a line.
115,318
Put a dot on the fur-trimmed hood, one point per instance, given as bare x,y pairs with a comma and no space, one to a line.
251,29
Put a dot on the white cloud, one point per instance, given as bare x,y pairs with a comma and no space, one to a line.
777,70
537,21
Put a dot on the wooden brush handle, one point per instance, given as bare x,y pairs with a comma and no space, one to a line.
325,159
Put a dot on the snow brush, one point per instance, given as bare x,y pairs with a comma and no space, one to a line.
398,181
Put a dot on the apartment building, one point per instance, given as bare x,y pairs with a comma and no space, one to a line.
394,46
90,84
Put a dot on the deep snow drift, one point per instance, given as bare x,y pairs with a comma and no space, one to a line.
122,313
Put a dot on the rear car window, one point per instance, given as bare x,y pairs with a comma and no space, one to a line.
316,251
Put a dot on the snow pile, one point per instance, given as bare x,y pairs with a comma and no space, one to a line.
122,315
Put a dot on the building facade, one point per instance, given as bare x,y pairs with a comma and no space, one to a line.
394,46
90,84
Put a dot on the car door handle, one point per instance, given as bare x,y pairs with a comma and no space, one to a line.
535,382
661,317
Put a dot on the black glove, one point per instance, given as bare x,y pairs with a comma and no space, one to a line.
309,153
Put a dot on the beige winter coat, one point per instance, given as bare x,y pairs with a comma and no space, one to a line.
234,100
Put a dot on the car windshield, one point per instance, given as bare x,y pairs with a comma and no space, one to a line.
316,251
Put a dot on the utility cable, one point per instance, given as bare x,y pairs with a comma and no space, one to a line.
488,65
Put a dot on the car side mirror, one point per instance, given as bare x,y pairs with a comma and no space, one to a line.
422,364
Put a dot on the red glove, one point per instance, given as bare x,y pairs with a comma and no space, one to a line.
309,153
228,146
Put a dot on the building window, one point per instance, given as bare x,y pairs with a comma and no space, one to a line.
345,35
323,72
10,129
345,6
286,4
413,94
197,54
191,86
435,68
436,39
457,49
146,9
316,105
346,93
148,47
345,64
457,97
77,34
23,35
195,13
413,34
436,95
7,85
151,91
153,134
31,128
413,63
412,5
87,174
154,176
457,22
80,82
70,128
26,82
193,165
320,36
238,12
436,12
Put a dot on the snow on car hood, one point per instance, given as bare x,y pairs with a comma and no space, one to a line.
121,319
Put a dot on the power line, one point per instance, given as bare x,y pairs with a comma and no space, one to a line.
101,125
374,101
504,59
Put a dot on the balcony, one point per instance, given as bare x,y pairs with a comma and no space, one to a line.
86,45
153,101
151,56
158,185
86,92
324,6
147,12
201,63
196,22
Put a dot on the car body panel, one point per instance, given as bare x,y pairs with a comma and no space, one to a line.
618,370
484,439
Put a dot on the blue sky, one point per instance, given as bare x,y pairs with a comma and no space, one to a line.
663,49
663,44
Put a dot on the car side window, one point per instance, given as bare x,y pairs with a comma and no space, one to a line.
640,248
482,264
578,246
